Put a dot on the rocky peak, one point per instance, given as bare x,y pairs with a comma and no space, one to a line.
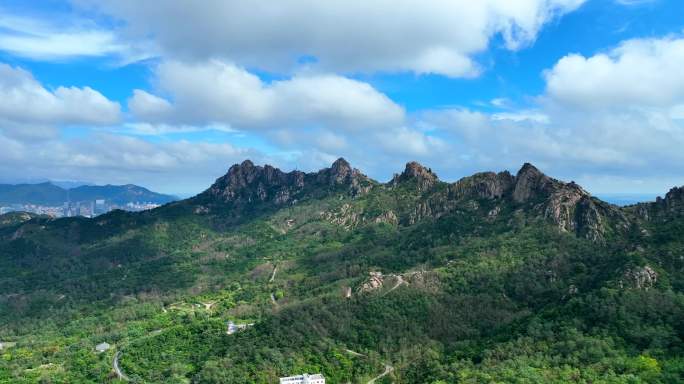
639,278
414,171
569,206
247,182
342,175
530,182
673,200
340,172
671,205
340,168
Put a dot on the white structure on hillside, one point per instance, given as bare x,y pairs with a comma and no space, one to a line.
303,379
102,347
232,327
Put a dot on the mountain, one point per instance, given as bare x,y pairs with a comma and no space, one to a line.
51,195
567,205
496,277
43,193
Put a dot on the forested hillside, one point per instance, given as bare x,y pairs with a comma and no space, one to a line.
495,278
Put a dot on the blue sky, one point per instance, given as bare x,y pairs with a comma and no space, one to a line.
169,96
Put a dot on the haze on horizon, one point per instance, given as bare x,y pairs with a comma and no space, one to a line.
113,92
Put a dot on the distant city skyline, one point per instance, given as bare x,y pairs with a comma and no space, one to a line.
114,92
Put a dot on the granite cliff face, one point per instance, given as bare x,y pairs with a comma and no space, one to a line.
247,183
486,185
672,205
567,205
415,173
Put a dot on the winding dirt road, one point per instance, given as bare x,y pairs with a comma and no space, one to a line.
117,368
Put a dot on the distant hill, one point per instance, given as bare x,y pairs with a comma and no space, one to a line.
50,194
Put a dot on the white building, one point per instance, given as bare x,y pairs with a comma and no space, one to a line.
303,379
102,347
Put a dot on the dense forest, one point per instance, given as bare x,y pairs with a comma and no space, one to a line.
496,278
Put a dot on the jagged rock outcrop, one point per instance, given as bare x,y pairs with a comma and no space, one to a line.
342,174
639,278
418,279
530,192
567,205
673,201
416,173
485,185
247,183
530,184
345,216
670,206
388,217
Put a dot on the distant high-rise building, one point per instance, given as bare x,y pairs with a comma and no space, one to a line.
100,207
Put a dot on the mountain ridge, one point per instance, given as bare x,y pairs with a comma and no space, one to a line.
47,193
568,205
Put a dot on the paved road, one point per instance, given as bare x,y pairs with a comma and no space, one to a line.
275,269
117,369
388,369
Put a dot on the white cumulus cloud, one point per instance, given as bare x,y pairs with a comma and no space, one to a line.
29,109
639,72
421,36
220,92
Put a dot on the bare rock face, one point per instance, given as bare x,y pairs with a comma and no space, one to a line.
414,172
674,200
561,206
339,173
247,183
344,216
486,185
639,278
375,281
567,205
530,183
672,205
388,217
424,280
531,192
